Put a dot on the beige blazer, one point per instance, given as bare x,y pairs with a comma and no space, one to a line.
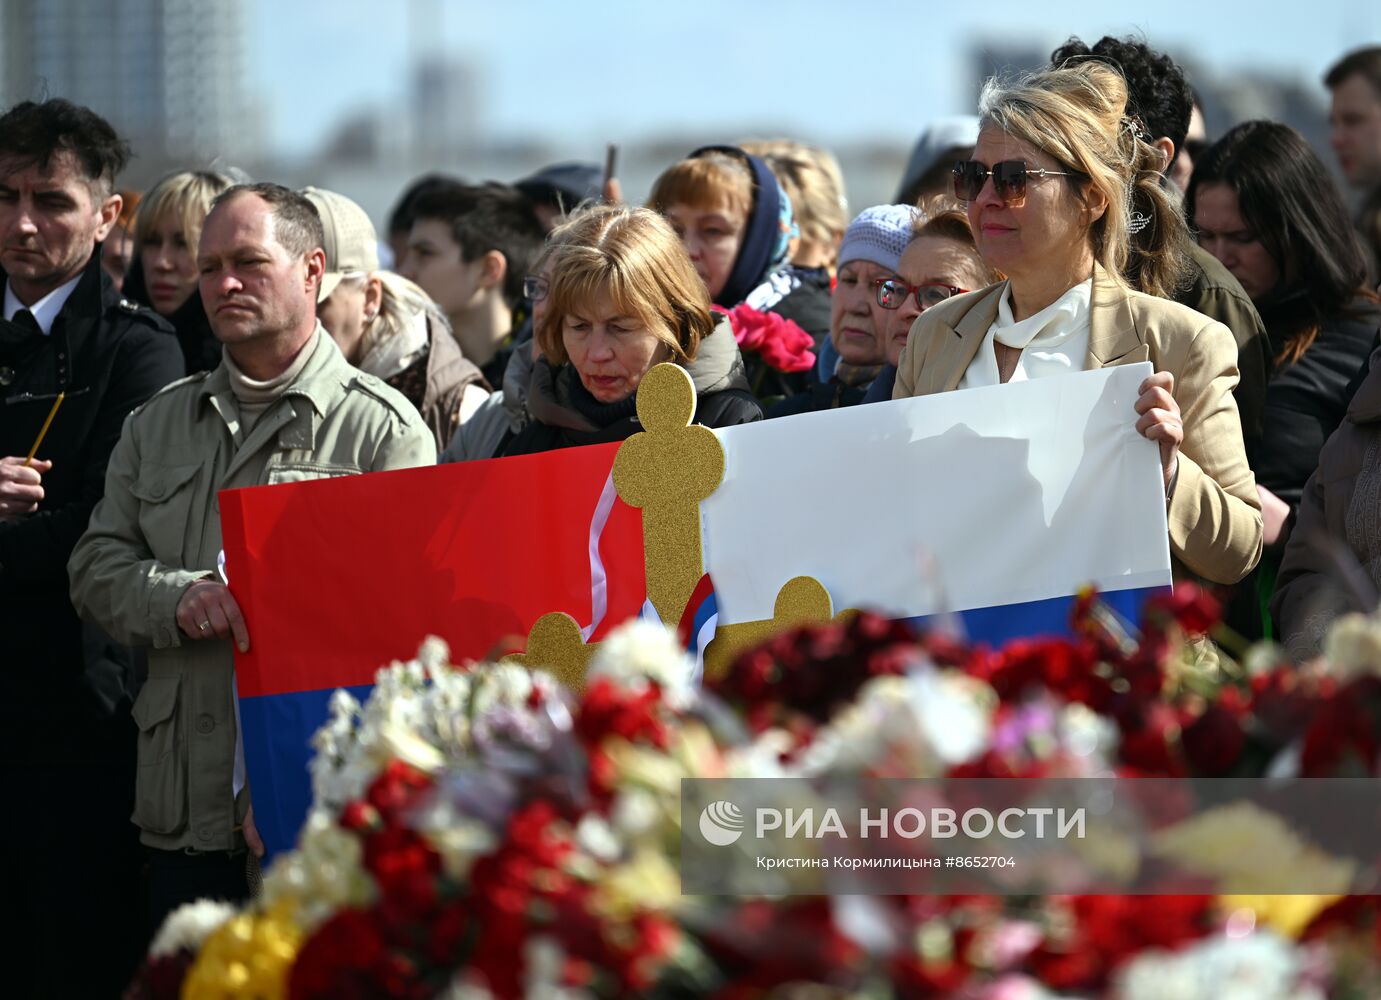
1215,513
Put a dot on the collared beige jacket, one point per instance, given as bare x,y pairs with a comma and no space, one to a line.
1215,512
158,530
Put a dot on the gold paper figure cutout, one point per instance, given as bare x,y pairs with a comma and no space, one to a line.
667,470
554,644
802,599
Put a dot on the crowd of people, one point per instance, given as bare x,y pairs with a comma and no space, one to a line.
228,333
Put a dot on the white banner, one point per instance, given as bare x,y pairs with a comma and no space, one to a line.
970,499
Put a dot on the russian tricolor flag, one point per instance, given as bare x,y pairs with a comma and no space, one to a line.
701,617
339,577
995,505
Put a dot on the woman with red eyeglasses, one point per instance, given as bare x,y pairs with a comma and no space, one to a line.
939,262
1061,179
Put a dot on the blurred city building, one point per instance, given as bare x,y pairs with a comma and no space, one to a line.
173,76
168,74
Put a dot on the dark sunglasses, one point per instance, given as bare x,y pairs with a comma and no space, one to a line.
892,292
1009,179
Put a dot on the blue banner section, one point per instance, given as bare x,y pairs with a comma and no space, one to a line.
278,728
278,731
998,625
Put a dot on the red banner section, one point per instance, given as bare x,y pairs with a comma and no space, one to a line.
339,577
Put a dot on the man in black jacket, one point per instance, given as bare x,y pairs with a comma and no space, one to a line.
70,865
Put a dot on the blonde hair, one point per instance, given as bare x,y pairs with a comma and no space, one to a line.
400,302
811,178
635,257
184,197
1077,114
703,180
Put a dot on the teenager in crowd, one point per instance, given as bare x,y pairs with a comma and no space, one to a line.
470,248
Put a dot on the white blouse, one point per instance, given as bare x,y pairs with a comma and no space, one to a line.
1053,341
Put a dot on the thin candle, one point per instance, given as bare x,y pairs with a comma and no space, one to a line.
43,431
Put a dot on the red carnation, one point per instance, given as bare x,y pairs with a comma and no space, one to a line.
1213,741
812,670
1108,930
1190,606
781,342
342,959
397,789
1344,738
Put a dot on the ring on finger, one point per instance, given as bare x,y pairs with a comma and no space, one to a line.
204,625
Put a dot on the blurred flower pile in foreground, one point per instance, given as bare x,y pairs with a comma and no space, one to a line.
479,831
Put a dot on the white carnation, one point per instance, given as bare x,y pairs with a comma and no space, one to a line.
929,720
1261,966
1353,646
634,812
596,837
641,651
187,927
1087,735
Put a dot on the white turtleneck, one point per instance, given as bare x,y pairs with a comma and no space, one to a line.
1053,341
254,396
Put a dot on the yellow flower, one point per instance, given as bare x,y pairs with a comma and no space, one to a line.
647,882
248,957
1289,915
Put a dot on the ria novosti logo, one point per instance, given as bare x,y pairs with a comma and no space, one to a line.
721,823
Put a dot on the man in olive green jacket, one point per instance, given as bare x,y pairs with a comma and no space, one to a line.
283,406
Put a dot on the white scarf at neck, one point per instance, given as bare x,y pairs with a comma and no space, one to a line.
1053,341
397,352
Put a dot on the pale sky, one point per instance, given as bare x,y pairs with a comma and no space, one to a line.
825,71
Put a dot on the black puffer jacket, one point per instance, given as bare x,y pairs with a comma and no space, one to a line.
1307,400
565,415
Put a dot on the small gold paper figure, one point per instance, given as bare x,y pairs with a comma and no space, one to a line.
667,469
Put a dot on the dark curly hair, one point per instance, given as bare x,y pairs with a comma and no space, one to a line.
33,133
1157,89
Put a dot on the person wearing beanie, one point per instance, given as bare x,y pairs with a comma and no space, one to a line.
738,225
387,326
870,252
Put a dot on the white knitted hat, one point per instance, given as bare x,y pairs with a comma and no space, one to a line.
879,234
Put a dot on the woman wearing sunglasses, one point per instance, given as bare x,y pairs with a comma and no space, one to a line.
1060,179
941,261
